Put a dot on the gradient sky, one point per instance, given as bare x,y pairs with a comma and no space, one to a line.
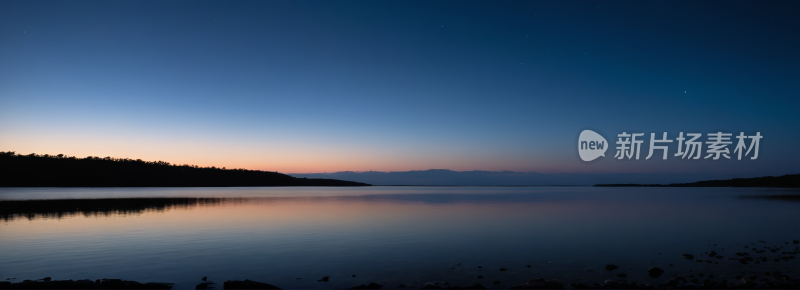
323,86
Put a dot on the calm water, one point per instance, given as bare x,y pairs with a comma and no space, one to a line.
396,235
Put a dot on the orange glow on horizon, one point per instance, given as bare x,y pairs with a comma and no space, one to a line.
297,156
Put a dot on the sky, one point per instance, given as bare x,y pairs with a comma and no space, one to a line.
327,86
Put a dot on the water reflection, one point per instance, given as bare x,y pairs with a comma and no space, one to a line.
96,207
60,208
105,207
392,235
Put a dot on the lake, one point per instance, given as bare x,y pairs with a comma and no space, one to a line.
391,235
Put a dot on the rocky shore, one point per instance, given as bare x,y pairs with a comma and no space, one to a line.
47,283
779,259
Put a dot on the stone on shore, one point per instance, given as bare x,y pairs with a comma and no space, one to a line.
655,272
246,284
611,267
86,284
474,285
123,284
370,286
540,283
746,284
58,284
610,284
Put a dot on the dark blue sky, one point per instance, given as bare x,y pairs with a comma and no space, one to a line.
321,86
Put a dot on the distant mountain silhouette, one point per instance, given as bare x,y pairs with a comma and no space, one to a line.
444,177
68,171
785,181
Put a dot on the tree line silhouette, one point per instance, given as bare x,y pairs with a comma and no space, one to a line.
46,170
784,181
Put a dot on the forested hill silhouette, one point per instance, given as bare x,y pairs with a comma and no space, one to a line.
68,171
784,181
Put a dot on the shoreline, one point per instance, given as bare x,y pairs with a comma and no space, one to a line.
779,276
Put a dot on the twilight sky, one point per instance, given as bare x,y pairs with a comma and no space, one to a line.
324,86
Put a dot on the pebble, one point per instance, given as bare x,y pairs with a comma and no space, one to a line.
655,272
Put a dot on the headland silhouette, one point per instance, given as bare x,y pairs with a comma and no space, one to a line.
68,171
